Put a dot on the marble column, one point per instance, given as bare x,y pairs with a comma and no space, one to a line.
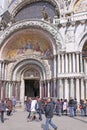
4,89
66,95
85,71
72,88
82,89
59,64
9,93
48,82
6,69
3,70
18,85
77,90
70,63
45,88
0,89
2,92
14,89
7,89
86,89
73,55
77,61
66,62
60,89
86,66
62,63
0,69
55,72
40,88
22,91
55,87
81,63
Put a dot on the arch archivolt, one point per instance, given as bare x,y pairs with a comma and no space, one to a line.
39,24
31,61
81,41
17,5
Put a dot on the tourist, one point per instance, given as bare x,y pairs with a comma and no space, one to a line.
28,106
33,109
49,107
2,109
14,101
71,106
65,107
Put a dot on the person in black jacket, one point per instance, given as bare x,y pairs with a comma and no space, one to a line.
49,107
71,106
2,109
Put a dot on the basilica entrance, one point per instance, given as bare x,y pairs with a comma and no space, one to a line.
31,88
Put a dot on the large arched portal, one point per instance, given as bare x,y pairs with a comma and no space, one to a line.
30,45
31,87
31,82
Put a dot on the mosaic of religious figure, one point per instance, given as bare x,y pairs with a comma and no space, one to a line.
27,42
80,6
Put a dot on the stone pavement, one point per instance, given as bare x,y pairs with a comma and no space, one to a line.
18,121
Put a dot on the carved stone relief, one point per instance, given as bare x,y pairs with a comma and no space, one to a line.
69,36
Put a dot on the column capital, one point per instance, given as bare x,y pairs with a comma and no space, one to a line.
78,52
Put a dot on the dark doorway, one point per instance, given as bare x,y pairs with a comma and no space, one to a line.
31,88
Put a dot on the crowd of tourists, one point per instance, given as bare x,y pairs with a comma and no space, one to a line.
61,107
36,107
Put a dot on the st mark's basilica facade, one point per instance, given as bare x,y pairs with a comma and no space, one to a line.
43,49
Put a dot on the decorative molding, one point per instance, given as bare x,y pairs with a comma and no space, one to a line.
45,26
71,75
33,59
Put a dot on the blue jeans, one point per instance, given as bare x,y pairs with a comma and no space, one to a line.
40,115
49,121
83,111
71,110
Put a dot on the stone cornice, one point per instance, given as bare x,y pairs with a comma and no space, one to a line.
71,75
71,20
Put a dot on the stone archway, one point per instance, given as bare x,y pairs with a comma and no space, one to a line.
56,38
15,73
37,71
31,87
31,82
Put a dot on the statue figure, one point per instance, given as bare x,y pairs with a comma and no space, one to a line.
44,13
67,3
57,11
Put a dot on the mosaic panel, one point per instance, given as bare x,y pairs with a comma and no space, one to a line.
80,6
26,42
